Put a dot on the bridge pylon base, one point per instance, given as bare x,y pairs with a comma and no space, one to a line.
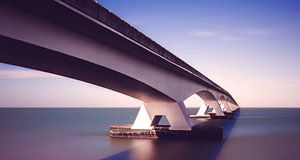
163,132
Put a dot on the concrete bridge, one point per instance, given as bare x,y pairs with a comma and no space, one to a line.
81,39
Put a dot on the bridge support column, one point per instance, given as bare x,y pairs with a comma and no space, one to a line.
211,101
142,120
225,105
230,106
175,112
202,110
234,106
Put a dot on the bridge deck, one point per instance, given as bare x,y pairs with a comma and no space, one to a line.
92,19
104,15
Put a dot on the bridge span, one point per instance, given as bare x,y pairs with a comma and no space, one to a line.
81,39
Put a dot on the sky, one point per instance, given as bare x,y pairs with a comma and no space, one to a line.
250,48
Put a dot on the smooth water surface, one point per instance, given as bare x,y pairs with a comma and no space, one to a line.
82,134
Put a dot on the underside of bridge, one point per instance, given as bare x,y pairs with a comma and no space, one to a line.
93,52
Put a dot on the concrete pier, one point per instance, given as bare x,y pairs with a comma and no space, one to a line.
163,132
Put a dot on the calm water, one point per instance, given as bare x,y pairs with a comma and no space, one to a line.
41,134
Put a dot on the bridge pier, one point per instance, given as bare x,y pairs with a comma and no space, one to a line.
222,108
232,105
210,101
181,126
225,105
202,112
150,113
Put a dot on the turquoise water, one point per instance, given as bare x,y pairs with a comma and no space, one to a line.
82,133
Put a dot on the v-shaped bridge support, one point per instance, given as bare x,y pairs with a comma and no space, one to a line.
175,112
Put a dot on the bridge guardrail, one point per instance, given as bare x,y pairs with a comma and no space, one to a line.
105,16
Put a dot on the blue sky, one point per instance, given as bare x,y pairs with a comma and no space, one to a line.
251,48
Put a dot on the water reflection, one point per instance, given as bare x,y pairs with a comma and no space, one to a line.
174,149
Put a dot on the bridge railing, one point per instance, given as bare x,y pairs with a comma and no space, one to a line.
105,16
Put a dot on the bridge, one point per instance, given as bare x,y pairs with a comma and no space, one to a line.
81,39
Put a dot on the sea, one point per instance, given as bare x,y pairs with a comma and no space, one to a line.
83,134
